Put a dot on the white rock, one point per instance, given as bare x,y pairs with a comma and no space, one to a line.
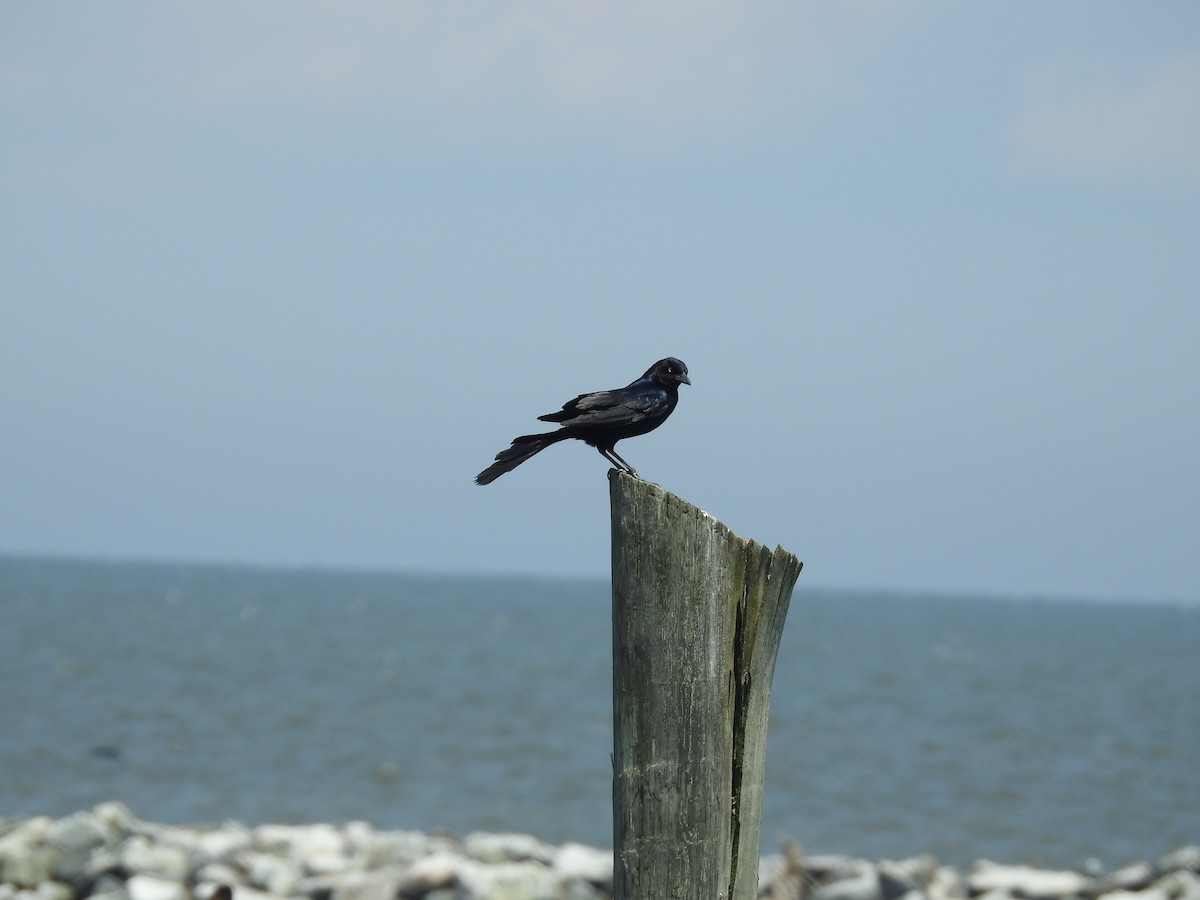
24,856
1184,858
49,890
31,831
1148,894
947,884
151,887
274,838
81,846
357,839
221,844
140,854
389,848
383,884
81,832
1133,877
580,863
1025,881
507,881
300,842
497,848
270,873
218,873
115,816
438,870
322,850
1180,885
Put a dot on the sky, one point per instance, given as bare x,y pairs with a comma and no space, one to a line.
278,279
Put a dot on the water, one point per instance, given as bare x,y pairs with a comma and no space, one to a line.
1022,731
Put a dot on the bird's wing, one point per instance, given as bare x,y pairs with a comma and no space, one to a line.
605,409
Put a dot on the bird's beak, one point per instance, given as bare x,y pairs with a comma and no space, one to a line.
684,379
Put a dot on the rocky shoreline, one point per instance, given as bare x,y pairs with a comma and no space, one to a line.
108,854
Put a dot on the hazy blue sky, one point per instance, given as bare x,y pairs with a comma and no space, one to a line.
278,278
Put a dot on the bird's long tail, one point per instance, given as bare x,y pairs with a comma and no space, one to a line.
522,448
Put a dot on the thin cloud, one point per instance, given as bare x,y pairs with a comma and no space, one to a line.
1079,124
623,71
533,66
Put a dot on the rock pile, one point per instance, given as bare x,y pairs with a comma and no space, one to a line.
791,876
108,854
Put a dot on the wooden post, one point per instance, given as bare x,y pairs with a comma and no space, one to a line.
697,617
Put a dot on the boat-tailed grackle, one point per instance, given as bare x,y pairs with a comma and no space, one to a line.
602,418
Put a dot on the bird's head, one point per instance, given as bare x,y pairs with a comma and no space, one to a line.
668,371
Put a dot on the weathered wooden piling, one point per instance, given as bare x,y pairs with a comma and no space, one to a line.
697,617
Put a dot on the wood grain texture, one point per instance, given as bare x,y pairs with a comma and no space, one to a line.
697,617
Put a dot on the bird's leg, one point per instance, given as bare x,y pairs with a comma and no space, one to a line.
613,457
608,455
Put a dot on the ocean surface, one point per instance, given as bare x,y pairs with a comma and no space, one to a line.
1018,730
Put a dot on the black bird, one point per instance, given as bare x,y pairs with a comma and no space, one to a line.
602,418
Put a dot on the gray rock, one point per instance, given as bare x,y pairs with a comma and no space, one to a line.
1133,877
857,880
76,843
25,859
436,871
81,832
903,876
110,883
582,890
1184,858
91,854
832,866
